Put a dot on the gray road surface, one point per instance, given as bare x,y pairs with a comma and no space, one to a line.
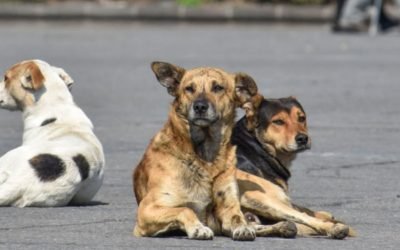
348,84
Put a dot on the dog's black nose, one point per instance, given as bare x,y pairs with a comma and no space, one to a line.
200,106
301,139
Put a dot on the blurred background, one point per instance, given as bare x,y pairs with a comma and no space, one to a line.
341,59
373,16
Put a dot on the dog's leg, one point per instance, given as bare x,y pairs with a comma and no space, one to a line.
268,206
305,231
267,200
322,215
325,216
10,190
9,194
226,193
153,220
285,229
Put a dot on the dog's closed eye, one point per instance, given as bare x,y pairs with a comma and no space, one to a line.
217,88
278,122
189,89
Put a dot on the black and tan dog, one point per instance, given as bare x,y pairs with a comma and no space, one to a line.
268,138
186,178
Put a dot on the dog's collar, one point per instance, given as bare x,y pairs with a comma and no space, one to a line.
48,121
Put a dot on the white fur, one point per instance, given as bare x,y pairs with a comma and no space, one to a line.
71,134
6,100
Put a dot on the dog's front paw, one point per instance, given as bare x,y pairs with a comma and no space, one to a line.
287,229
244,233
200,232
339,231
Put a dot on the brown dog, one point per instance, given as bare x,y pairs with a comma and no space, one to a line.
186,178
268,138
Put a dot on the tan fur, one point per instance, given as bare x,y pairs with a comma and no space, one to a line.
277,139
22,77
268,200
174,187
250,108
177,189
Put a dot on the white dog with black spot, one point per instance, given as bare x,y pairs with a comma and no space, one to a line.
60,161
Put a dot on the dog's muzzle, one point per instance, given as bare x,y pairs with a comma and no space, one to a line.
202,113
6,100
302,141
200,107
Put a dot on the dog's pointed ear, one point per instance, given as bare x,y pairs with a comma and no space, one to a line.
245,88
32,78
64,76
168,75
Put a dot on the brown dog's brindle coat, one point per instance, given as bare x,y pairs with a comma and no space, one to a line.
186,178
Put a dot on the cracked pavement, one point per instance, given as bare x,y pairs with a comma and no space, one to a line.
348,85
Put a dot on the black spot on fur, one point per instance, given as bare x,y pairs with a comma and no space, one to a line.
221,196
48,121
83,166
47,167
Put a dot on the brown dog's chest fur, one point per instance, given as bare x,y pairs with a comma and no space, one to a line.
186,179
189,179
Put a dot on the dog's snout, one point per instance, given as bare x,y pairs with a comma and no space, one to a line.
200,106
301,139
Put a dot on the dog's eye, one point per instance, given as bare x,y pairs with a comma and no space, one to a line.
189,89
5,78
278,122
217,88
302,119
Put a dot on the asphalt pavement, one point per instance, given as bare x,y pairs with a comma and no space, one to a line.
349,86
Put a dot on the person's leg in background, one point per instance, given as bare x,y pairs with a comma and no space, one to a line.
354,15
386,22
339,9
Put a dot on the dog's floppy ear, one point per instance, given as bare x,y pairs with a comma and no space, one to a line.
168,75
32,78
64,76
251,111
245,88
